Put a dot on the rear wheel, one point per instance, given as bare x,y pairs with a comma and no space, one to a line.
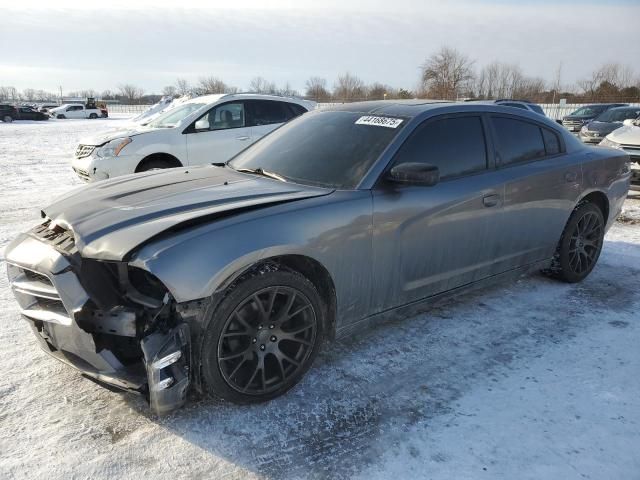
7,119
93,115
61,116
580,245
262,337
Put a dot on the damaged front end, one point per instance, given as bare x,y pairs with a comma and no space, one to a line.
117,324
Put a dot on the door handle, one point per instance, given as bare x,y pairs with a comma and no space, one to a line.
570,177
242,138
491,200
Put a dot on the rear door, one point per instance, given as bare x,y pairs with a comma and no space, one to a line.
267,115
74,111
431,239
542,185
219,134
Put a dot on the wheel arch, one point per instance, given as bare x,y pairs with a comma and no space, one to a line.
599,199
159,156
310,268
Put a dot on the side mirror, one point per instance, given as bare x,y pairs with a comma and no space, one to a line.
413,173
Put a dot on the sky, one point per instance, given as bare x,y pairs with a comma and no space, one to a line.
82,44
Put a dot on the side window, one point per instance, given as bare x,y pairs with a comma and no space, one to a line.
517,141
74,108
267,112
222,117
551,141
296,109
455,145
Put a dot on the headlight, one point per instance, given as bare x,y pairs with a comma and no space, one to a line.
609,143
114,147
584,129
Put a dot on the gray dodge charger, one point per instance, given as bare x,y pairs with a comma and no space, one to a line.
228,278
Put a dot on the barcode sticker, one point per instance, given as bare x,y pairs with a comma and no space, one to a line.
388,122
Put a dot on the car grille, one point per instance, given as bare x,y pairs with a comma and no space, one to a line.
84,175
632,150
37,296
84,150
59,238
572,124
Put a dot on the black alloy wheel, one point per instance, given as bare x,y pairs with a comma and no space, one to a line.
263,337
580,245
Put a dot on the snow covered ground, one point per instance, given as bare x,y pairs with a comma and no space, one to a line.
531,380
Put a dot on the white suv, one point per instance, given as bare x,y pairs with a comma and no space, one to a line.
204,130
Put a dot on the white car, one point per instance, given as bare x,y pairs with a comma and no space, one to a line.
204,130
75,110
627,138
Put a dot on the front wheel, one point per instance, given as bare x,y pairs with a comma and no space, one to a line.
7,119
580,245
262,337
61,116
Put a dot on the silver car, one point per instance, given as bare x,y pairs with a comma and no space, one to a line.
228,278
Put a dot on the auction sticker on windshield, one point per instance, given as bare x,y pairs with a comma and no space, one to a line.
388,122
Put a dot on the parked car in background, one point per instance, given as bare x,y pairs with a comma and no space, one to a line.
577,119
522,104
208,129
607,122
46,107
228,279
9,113
75,110
627,139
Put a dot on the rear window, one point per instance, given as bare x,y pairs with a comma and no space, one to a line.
517,141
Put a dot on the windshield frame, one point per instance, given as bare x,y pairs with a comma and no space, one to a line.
381,156
173,111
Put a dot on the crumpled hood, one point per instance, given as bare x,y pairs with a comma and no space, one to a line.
103,138
112,217
628,134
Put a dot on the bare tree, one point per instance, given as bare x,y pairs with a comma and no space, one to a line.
9,94
316,88
130,93
348,87
28,94
169,91
183,87
210,85
446,74
261,85
380,91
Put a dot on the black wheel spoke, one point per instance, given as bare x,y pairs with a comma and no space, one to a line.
278,325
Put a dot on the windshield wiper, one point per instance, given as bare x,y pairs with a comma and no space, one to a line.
263,172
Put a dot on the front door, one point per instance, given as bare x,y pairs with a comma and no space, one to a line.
431,239
218,135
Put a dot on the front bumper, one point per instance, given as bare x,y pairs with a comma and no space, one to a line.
592,139
107,345
92,168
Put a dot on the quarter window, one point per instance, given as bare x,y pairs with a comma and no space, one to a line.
455,145
551,142
517,141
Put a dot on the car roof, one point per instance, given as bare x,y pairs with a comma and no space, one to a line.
208,99
403,108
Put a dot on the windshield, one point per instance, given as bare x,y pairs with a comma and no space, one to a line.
589,111
328,149
618,114
171,118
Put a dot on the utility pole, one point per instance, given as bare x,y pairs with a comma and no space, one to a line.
60,87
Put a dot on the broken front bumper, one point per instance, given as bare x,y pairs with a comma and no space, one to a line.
70,327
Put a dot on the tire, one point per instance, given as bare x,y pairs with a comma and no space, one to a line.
60,116
252,354
154,164
93,116
7,119
580,244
